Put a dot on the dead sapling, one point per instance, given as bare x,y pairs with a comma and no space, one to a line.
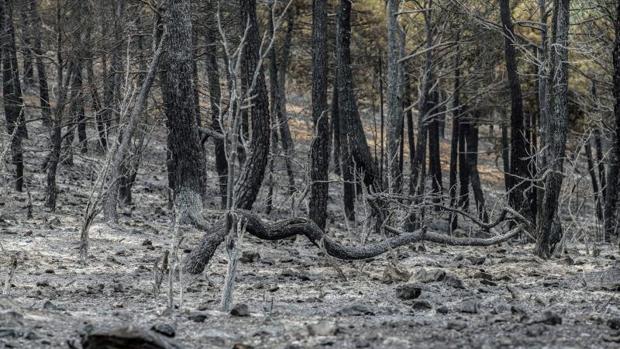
10,275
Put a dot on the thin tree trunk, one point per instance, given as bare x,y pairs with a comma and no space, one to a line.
319,154
595,187
44,103
12,93
548,237
464,167
454,143
518,142
394,95
611,225
472,159
27,48
434,156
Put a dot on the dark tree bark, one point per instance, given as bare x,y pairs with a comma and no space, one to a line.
394,95
594,180
548,236
12,93
215,94
319,156
472,160
112,84
611,225
434,155
37,48
454,143
253,173
519,171
408,101
464,168
187,158
26,40
335,126
354,152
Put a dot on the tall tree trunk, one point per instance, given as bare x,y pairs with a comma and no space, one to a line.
319,151
215,94
27,48
611,225
410,127
472,159
37,48
464,167
548,236
434,151
454,143
187,157
354,152
12,93
394,95
518,142
253,173
595,187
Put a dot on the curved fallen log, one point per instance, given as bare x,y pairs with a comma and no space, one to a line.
198,259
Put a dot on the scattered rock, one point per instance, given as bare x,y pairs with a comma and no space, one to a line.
469,307
421,305
147,242
165,329
48,305
242,346
454,281
475,260
322,328
443,309
197,317
355,310
43,283
392,274
614,324
249,257
408,291
549,318
456,325
240,310
127,337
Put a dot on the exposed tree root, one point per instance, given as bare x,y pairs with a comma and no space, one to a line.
198,259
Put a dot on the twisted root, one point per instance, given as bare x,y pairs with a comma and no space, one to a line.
198,259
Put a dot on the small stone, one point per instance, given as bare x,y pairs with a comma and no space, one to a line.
408,291
198,317
49,271
240,310
614,324
551,318
422,305
242,346
477,260
249,257
452,280
147,242
355,310
468,307
165,329
43,283
456,325
443,310
48,305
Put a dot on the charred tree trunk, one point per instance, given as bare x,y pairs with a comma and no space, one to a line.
519,164
454,143
37,48
253,173
548,236
394,95
595,187
434,156
27,52
472,159
12,93
319,153
611,225
464,168
187,158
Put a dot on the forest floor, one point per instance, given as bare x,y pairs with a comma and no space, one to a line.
420,296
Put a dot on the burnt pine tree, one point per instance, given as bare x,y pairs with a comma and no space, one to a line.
394,95
12,93
187,157
611,225
519,172
249,182
319,156
549,236
37,48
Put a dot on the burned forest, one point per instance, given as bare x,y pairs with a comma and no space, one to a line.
309,174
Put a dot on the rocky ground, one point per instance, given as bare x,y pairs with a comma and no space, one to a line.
288,293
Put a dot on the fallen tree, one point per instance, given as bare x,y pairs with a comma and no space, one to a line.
199,258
